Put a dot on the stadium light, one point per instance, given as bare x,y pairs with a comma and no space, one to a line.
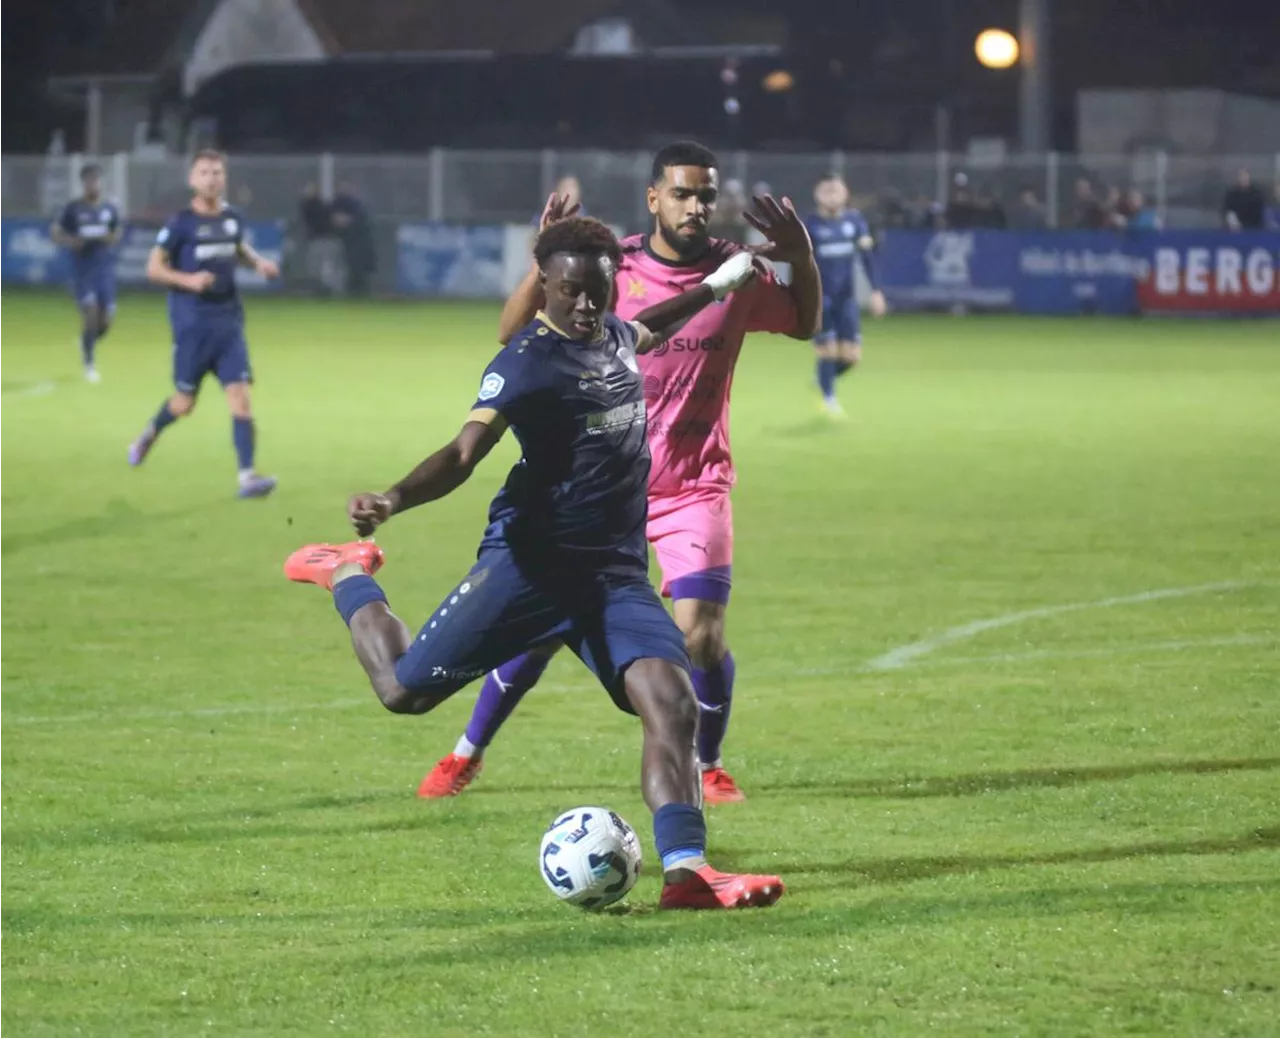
996,48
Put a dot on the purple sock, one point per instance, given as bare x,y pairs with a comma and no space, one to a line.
714,689
503,689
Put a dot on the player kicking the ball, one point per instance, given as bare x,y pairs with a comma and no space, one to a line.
564,557
686,389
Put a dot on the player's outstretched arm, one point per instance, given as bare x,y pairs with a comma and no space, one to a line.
437,476
61,236
656,322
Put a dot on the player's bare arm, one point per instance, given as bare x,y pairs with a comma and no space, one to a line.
789,243
160,272
249,257
528,297
439,475
60,237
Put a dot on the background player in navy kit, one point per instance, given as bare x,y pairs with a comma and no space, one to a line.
195,257
564,556
90,227
841,237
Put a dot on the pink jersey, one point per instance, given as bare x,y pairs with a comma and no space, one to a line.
687,379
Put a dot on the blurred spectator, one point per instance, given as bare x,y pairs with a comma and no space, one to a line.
355,229
1273,211
1089,213
893,211
960,214
1116,208
988,212
727,222
1139,213
1244,206
927,214
322,258
1028,214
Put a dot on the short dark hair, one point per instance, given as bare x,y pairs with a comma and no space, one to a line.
210,154
90,169
582,235
682,153
829,176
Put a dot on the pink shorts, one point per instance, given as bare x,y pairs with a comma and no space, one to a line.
692,534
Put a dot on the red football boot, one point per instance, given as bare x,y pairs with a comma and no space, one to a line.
718,787
316,563
706,888
450,776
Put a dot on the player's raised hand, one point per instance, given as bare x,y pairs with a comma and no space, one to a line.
368,511
558,208
732,274
781,224
876,304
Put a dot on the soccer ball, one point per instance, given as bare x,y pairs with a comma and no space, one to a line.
590,857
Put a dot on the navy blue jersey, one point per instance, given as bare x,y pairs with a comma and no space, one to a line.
93,223
837,242
578,493
194,242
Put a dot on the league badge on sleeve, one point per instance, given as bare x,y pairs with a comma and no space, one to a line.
491,385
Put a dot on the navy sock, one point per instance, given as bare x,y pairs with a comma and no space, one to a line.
680,833
827,377
354,593
87,340
714,689
842,366
242,436
164,417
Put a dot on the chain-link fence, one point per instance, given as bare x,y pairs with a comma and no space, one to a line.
499,187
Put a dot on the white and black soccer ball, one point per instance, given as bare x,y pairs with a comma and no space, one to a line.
590,857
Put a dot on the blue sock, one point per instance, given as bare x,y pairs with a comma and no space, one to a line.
242,436
842,366
827,377
87,340
164,417
680,832
714,689
354,593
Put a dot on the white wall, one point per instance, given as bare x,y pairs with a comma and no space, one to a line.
241,32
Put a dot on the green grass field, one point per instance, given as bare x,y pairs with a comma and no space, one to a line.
1007,712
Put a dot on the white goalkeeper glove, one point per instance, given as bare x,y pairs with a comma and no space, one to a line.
731,275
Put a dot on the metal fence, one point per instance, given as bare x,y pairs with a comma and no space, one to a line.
504,187
497,187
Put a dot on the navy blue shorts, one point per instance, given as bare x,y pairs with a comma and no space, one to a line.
504,608
216,348
839,320
95,286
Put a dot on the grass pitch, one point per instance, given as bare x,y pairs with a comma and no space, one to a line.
1007,713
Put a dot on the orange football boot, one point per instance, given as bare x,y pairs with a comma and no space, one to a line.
706,888
316,563
450,776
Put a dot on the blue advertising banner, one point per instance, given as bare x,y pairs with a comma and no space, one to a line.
1083,272
28,255
434,259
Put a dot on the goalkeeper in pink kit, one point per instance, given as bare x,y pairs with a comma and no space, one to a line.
687,381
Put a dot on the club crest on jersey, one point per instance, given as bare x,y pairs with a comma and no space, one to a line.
491,385
229,226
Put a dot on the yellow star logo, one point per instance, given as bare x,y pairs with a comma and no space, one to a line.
635,289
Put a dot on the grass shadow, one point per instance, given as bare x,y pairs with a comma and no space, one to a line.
1001,781
119,516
